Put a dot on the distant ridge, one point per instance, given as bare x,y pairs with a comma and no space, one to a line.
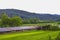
27,15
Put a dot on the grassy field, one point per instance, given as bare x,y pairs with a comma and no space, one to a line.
41,24
29,35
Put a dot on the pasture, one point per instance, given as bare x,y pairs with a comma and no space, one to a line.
41,24
30,35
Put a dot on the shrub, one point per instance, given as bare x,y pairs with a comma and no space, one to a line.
50,37
58,37
54,28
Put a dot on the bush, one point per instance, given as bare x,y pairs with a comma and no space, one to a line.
54,28
50,37
6,21
50,27
58,37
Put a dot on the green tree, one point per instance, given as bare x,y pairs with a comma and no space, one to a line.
16,21
5,20
34,20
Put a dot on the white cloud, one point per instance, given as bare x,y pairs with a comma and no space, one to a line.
39,6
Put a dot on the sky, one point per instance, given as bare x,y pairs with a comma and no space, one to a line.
36,6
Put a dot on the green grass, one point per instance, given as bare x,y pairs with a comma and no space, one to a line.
29,35
41,24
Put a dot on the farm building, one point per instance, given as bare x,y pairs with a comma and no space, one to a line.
10,29
22,28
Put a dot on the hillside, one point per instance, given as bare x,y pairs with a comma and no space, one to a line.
27,15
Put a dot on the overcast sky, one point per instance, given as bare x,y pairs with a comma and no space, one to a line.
38,6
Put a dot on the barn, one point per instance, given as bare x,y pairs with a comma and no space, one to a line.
22,28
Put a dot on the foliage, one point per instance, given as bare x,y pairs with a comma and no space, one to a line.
34,20
50,37
49,27
54,28
6,21
58,37
31,21
16,21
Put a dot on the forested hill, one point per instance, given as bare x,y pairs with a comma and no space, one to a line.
26,15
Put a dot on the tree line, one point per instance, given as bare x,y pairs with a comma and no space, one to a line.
6,21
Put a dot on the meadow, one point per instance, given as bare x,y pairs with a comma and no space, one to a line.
41,24
30,35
